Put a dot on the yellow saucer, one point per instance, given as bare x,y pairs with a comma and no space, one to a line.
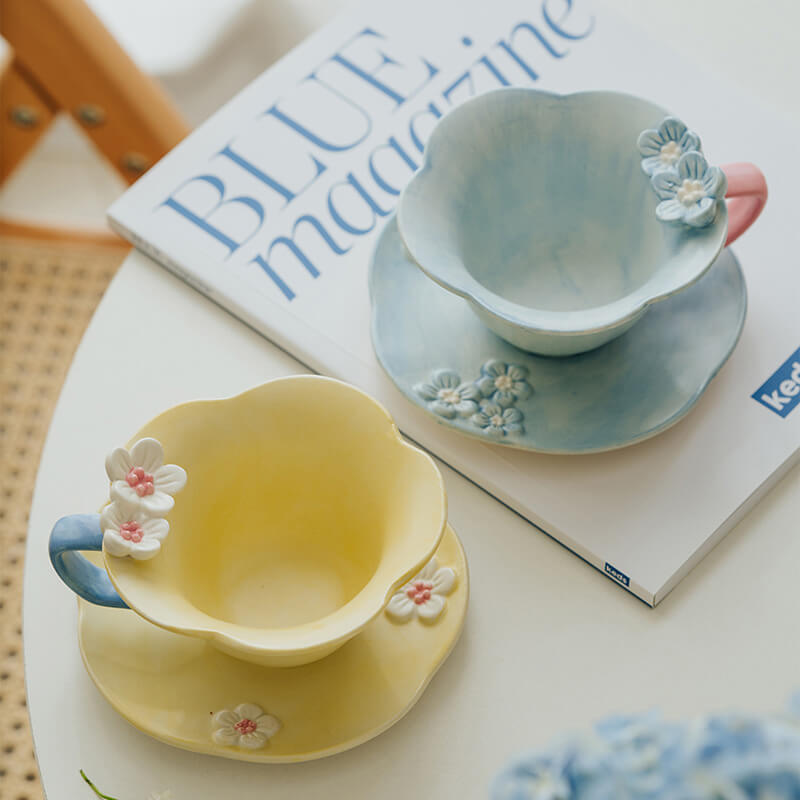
173,687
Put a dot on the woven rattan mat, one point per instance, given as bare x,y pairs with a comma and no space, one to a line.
47,295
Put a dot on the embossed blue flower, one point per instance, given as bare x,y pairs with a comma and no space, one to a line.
497,421
690,192
504,383
447,396
662,147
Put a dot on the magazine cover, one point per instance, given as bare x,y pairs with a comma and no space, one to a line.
274,208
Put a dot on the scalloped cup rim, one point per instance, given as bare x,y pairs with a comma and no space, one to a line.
529,318
296,641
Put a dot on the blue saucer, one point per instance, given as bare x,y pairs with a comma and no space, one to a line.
445,361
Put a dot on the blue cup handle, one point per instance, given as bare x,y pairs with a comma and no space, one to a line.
82,532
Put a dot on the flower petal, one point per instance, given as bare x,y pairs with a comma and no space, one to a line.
649,142
504,397
400,608
446,379
485,385
522,389
248,711
692,165
148,454
170,478
517,372
118,464
445,410
653,164
494,367
426,391
672,129
469,391
226,736
512,415
513,427
690,141
666,183
670,210
466,407
155,528
158,504
252,741
122,493
225,719
268,725
428,571
702,213
115,545
494,430
491,409
444,580
146,549
431,609
715,183
480,419
111,518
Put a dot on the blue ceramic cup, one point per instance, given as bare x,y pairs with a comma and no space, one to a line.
543,212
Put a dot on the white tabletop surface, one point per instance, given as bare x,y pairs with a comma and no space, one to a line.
549,644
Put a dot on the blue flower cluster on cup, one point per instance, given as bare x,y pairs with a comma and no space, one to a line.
644,757
488,402
689,189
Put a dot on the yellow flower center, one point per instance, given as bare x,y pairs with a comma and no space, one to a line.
670,153
691,192
503,382
449,396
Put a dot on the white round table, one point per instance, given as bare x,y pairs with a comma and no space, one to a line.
549,644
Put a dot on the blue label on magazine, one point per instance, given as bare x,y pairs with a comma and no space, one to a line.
781,391
621,577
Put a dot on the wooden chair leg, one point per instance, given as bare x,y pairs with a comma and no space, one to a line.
25,114
66,50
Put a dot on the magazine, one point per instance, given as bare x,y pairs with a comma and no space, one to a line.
272,207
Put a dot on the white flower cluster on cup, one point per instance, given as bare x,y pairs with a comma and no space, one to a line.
142,486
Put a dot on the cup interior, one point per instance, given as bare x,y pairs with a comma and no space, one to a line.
301,504
541,200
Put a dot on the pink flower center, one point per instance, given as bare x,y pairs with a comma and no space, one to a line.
245,726
140,481
419,592
132,531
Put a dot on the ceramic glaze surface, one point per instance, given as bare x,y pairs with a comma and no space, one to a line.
535,208
166,684
626,391
304,513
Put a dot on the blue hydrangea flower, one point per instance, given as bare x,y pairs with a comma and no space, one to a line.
730,756
448,396
662,147
504,383
690,192
497,421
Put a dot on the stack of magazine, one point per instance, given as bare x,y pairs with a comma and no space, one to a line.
272,207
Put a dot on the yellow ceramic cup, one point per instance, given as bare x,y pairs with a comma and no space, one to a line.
303,512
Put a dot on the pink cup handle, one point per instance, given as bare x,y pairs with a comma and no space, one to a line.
747,194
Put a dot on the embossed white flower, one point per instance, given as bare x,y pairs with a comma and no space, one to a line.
494,420
247,725
423,596
129,531
141,478
447,395
662,147
504,383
